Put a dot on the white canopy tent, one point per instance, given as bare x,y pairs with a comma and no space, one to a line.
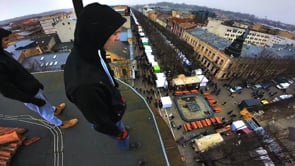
166,101
141,34
197,72
160,76
203,80
154,63
238,125
161,81
151,59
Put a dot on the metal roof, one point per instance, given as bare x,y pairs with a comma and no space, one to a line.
81,145
210,38
247,51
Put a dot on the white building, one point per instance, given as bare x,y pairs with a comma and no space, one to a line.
65,29
48,22
254,37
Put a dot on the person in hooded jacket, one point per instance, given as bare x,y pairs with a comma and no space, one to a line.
18,84
89,82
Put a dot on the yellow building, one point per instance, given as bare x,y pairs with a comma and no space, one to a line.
120,65
212,58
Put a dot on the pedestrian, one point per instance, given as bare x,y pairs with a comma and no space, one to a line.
224,103
89,82
18,84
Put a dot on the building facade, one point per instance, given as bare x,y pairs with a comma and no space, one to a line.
65,29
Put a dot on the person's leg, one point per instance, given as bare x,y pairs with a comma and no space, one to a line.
125,143
46,111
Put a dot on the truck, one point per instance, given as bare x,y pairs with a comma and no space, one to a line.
250,104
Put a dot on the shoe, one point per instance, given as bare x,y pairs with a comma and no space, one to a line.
135,146
69,123
59,108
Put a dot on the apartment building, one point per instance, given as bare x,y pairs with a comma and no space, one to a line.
48,22
233,49
255,37
209,52
65,29
45,42
224,59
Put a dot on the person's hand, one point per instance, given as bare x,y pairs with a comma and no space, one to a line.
123,135
38,102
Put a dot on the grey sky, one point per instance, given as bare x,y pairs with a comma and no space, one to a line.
282,10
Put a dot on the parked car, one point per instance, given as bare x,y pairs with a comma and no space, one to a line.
284,85
236,89
256,86
282,97
249,103
267,85
264,102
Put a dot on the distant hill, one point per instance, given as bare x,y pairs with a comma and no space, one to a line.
5,22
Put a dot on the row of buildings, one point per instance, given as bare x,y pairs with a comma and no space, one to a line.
231,48
224,48
53,35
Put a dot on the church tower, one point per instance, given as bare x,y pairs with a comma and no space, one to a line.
235,48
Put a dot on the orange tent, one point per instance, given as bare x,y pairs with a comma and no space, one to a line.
178,92
194,125
186,92
194,91
208,122
217,109
199,124
209,97
213,120
218,119
204,123
188,126
212,102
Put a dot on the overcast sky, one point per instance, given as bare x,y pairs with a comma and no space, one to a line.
277,10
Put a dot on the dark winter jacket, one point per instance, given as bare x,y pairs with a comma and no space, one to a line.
86,83
16,82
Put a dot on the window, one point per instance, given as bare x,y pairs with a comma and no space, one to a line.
230,65
213,56
223,75
221,62
217,59
209,53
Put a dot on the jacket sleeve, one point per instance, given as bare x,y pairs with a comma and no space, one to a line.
9,90
94,102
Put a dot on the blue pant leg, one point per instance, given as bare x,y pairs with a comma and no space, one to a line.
46,111
124,144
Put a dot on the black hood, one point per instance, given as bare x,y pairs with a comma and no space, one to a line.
3,33
95,25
